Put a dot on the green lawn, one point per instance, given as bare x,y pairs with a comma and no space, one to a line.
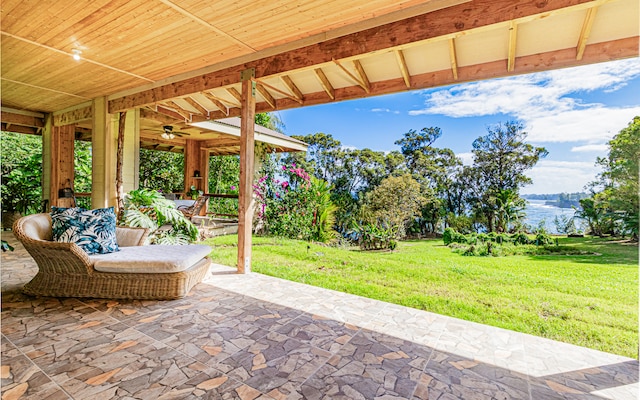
588,300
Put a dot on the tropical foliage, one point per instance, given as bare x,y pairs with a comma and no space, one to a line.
21,173
149,209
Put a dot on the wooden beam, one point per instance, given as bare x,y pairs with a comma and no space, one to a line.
19,129
282,92
351,76
295,91
162,114
363,75
203,111
21,119
266,95
216,101
448,21
453,58
73,116
594,53
247,155
403,67
324,81
585,32
513,38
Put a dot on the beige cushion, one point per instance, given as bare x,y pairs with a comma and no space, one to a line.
150,259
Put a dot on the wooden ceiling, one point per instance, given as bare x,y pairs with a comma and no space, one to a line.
183,59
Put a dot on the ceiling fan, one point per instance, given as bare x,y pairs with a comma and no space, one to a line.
168,132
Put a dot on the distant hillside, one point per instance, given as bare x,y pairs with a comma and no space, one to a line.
562,200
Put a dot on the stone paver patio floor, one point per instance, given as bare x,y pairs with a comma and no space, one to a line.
257,337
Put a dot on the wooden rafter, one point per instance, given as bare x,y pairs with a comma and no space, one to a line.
186,114
19,129
266,95
203,111
351,76
585,32
363,75
170,112
217,102
282,92
435,26
21,119
324,81
236,95
597,52
513,38
404,70
295,91
453,58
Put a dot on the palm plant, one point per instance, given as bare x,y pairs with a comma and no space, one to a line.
149,209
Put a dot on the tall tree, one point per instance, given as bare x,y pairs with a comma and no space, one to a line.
501,159
620,177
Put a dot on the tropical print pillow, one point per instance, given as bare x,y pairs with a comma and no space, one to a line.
93,230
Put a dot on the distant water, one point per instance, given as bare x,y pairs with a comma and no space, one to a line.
537,211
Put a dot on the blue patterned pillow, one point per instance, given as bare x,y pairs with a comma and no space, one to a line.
93,230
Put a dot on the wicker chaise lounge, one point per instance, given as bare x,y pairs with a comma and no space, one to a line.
134,272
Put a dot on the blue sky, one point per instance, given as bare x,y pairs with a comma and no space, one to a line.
571,112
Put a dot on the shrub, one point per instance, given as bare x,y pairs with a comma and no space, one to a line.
296,207
375,237
520,238
448,236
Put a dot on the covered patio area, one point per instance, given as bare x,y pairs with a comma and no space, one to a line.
259,337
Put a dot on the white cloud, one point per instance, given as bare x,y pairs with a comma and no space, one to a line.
570,176
543,102
467,158
384,110
590,148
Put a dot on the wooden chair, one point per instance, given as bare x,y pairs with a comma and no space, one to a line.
194,209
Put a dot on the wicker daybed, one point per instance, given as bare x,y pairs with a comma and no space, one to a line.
135,272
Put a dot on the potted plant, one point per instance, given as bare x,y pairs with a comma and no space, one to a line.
194,193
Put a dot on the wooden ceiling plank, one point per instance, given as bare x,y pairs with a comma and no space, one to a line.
351,76
216,101
82,59
513,38
266,95
485,14
324,81
197,106
295,91
585,32
208,25
282,92
44,88
453,58
404,70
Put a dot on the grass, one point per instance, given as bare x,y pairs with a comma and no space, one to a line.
588,300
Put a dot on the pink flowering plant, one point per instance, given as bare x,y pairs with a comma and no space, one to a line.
287,204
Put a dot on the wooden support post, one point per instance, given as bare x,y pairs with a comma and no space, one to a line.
247,154
119,161
62,166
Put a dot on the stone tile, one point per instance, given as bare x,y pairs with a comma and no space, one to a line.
275,365
365,368
20,378
320,332
213,384
138,371
450,376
